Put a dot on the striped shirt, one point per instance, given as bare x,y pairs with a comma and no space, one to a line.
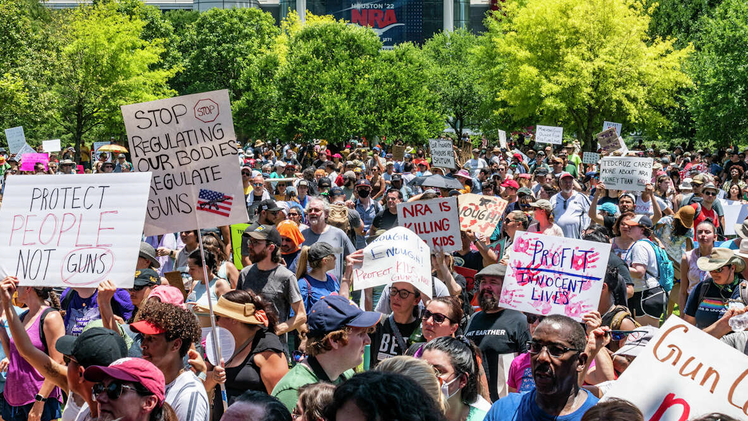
188,398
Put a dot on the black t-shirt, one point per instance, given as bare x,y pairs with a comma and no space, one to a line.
472,260
385,220
289,258
384,343
495,334
620,294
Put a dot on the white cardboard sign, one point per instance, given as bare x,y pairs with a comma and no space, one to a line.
16,139
25,149
626,173
73,230
398,255
189,144
609,124
436,221
684,373
554,275
502,139
442,153
734,214
51,145
590,158
549,134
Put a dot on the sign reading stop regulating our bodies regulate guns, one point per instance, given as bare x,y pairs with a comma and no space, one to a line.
684,373
73,230
554,275
189,144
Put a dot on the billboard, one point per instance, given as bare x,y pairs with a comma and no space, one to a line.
395,21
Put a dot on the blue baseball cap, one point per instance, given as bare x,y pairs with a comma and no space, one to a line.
334,312
609,208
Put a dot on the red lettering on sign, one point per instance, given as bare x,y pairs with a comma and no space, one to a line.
669,401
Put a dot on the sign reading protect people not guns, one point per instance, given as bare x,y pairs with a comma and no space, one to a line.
625,173
189,144
73,230
398,255
684,373
554,275
480,213
436,221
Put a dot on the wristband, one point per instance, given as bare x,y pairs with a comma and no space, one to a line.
40,398
202,376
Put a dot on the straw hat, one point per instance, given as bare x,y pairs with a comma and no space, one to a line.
245,313
742,229
685,215
720,257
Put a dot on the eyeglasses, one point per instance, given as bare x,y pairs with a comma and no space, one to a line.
113,390
403,293
554,350
710,193
438,317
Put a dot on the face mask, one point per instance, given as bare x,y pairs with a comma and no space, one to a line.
363,193
445,389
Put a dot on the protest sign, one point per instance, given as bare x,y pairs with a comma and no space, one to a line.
609,141
25,150
609,124
189,145
397,255
436,221
236,231
590,158
51,145
79,169
16,139
684,373
626,173
76,230
502,139
554,275
398,152
29,160
734,214
480,213
442,153
549,134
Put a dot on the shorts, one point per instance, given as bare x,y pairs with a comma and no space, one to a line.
52,411
650,302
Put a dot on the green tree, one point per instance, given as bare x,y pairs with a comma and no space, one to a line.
104,64
575,63
455,80
679,19
720,104
218,46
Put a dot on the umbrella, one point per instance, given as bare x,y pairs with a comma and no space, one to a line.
438,181
113,149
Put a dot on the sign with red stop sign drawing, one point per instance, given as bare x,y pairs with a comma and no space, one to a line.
554,275
480,213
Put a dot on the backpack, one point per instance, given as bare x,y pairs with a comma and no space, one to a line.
665,271
338,217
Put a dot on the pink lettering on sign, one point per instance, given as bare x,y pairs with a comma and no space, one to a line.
669,402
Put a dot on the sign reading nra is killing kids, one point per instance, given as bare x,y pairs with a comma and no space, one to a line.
189,145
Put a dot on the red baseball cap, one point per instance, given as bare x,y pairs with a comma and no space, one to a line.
510,184
147,328
565,174
135,370
518,156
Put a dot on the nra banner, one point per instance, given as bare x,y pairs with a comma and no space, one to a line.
395,21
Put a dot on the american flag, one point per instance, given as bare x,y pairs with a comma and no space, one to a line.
214,202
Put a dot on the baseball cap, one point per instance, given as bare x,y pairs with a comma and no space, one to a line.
637,341
609,208
510,184
363,182
524,191
121,156
334,312
268,205
147,328
168,294
322,249
336,191
136,370
268,233
148,252
639,220
324,182
146,277
396,177
95,346
542,204
565,174
304,183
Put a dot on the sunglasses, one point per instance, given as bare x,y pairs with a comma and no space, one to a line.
438,317
554,350
114,390
719,270
257,184
532,318
709,193
617,335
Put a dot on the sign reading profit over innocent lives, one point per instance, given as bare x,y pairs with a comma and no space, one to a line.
398,255
480,213
625,173
73,230
442,153
436,221
554,275
684,373
189,144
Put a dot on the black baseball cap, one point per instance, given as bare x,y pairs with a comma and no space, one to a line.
268,205
336,191
321,250
95,346
334,312
397,177
146,277
268,233
324,182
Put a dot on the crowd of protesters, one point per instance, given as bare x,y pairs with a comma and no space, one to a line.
308,347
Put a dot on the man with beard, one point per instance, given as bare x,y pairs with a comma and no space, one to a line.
570,208
267,277
557,356
319,230
496,331
268,213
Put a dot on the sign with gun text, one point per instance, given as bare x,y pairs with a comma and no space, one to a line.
480,213
442,153
73,230
398,255
189,145
683,373
436,221
554,275
625,173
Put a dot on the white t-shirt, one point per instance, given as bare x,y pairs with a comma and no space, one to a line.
641,252
73,412
553,230
475,166
187,396
645,208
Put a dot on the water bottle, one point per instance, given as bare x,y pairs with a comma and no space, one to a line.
738,323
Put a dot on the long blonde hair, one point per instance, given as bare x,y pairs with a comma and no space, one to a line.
420,371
